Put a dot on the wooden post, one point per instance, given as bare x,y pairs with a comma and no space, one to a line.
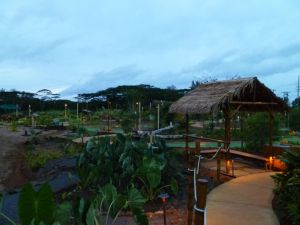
227,137
218,167
197,147
271,126
186,135
242,129
219,164
200,214
190,195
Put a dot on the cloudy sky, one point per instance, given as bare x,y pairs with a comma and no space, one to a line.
72,46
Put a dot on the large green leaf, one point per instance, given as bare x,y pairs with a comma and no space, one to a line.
174,186
153,176
37,206
45,204
62,213
140,217
90,217
108,193
27,204
135,199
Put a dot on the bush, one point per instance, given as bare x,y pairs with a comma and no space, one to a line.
39,158
294,118
256,131
287,186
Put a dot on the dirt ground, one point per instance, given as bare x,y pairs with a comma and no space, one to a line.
13,173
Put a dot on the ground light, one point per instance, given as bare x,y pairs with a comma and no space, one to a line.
164,198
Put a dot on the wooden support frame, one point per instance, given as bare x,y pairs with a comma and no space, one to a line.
253,103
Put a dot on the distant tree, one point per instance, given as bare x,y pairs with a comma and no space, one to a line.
295,118
171,87
196,83
296,102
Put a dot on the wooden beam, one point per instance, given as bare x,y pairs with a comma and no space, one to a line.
252,103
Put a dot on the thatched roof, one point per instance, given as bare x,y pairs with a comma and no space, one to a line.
249,93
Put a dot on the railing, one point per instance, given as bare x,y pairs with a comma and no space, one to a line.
197,188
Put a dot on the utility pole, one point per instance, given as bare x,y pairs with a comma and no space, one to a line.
298,87
286,99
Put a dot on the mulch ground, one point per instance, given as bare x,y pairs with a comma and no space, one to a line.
176,209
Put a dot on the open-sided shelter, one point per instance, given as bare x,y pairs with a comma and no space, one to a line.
230,96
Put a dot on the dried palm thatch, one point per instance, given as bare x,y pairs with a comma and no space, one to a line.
249,94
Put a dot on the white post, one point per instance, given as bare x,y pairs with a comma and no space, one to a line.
140,118
77,112
158,116
29,110
66,111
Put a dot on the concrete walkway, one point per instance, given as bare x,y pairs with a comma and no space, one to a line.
246,200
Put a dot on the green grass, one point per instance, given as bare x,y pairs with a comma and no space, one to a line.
181,144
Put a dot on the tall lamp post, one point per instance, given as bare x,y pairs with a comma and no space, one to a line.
29,110
17,106
77,111
66,106
140,116
158,116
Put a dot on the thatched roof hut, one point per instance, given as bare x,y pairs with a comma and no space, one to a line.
247,94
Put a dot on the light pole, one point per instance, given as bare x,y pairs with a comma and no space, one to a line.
140,118
29,110
66,106
77,110
158,116
17,110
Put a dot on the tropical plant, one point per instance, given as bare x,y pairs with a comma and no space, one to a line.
36,207
106,207
37,159
294,117
14,126
256,132
109,159
288,185
150,174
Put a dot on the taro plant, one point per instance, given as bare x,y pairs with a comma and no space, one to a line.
106,207
38,207
287,186
150,175
109,159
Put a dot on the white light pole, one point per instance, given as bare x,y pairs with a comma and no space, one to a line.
66,105
140,116
29,110
158,116
77,112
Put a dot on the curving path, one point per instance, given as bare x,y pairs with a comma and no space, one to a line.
246,200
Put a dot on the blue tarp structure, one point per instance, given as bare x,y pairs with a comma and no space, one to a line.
8,107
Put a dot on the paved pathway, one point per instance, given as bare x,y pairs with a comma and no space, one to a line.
246,200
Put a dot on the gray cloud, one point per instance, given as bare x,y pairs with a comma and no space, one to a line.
66,43
119,76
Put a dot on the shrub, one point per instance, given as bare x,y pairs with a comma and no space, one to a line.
37,159
287,186
256,131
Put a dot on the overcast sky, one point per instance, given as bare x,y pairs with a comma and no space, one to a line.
72,46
